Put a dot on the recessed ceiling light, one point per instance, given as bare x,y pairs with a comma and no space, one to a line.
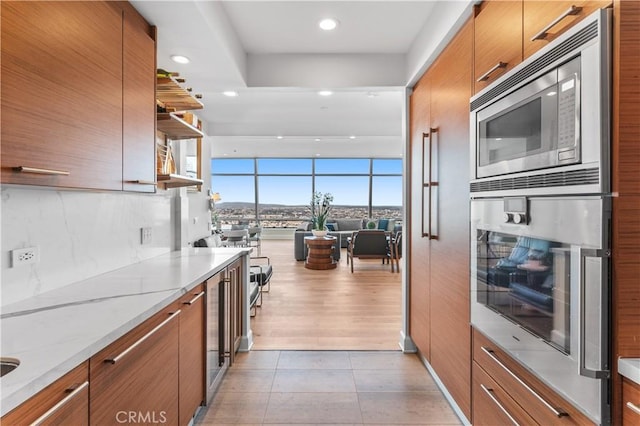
372,94
328,24
279,137
180,59
317,155
325,93
317,139
230,93
352,137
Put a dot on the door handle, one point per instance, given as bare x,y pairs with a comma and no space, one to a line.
433,185
496,67
573,10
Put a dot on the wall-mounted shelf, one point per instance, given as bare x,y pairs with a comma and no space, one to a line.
176,128
177,181
174,97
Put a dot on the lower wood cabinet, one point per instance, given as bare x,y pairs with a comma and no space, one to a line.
517,395
134,380
631,401
192,354
66,401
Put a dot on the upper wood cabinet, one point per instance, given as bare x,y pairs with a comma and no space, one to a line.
64,103
138,88
62,94
497,40
543,22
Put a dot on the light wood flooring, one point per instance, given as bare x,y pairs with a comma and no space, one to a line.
327,310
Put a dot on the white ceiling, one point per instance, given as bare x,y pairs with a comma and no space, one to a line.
276,57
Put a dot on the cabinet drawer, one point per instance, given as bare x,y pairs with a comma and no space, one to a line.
138,374
543,404
631,403
492,405
66,401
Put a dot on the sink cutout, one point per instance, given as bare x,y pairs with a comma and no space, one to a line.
7,365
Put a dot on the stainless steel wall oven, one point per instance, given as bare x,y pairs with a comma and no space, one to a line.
540,214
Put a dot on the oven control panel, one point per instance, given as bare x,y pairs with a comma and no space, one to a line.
516,210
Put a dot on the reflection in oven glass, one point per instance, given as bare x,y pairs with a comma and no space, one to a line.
527,280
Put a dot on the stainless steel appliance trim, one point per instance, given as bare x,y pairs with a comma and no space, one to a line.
60,404
584,371
142,339
573,10
491,354
489,393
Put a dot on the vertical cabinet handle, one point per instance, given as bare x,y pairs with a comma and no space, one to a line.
496,67
433,186
60,404
489,392
426,177
573,10
519,380
142,339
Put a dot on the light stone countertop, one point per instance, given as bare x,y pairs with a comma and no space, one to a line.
56,331
630,368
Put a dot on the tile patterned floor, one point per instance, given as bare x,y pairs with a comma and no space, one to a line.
328,387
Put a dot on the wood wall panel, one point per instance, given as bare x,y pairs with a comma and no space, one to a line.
626,183
418,245
449,316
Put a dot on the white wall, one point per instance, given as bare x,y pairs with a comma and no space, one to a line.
80,234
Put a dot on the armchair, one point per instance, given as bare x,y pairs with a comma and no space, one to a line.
369,244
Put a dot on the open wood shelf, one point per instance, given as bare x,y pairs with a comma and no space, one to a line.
177,181
176,128
172,96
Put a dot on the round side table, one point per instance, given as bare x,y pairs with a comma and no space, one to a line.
319,256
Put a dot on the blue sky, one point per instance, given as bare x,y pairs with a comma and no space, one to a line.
296,190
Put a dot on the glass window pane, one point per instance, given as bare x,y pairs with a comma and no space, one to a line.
284,166
386,166
284,200
232,165
387,197
337,166
237,195
350,195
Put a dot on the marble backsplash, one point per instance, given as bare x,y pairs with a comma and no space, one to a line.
79,234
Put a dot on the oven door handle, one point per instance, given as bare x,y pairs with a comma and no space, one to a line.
584,254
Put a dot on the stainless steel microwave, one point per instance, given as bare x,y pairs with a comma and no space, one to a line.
549,115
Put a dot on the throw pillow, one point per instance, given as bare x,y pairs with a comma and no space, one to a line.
391,226
383,223
332,226
372,224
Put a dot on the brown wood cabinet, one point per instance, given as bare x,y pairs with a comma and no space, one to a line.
497,40
66,401
139,110
192,354
543,22
631,401
539,401
63,99
138,374
439,292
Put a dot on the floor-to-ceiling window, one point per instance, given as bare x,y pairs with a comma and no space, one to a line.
276,191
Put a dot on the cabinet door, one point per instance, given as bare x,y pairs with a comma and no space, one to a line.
66,401
192,361
449,239
138,375
547,20
62,94
139,115
418,244
631,401
497,40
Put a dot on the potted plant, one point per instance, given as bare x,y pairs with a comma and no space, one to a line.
320,207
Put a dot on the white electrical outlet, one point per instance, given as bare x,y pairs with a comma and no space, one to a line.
145,235
25,256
